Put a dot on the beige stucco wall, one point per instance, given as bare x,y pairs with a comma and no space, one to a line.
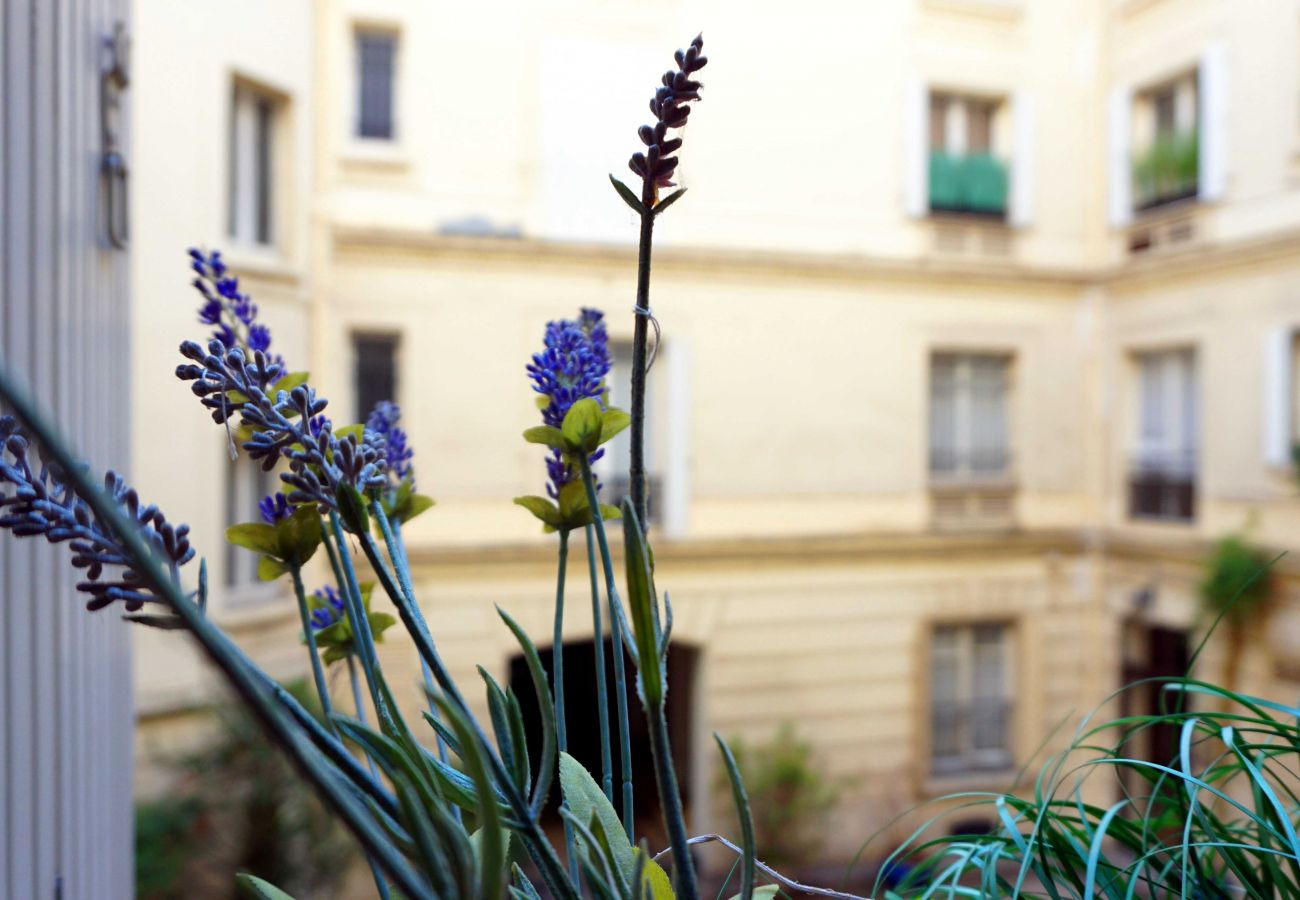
799,302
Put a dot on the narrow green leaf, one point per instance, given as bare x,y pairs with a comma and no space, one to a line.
166,623
418,504
546,707
629,197
352,508
641,601
492,850
500,717
668,201
522,889
586,799
741,799
766,892
256,888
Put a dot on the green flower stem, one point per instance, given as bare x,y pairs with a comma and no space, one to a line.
616,632
309,635
530,832
246,680
602,691
670,800
361,634
557,664
639,338
397,553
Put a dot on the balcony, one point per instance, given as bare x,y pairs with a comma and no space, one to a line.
1163,488
1167,172
968,184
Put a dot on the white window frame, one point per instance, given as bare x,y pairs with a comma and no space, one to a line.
1166,437
967,704
250,164
964,428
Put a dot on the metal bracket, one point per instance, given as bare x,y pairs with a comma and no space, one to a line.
113,172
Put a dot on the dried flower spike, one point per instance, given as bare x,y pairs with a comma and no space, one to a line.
657,164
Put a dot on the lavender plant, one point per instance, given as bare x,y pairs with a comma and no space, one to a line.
354,487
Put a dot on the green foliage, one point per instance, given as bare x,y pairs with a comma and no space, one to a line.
237,805
789,794
337,641
287,544
1237,580
1213,816
1168,170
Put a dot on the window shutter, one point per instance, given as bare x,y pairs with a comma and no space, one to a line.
1213,122
1022,161
916,159
1277,397
1120,165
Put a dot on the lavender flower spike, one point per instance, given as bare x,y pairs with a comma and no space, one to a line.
383,420
572,366
232,315
45,504
656,165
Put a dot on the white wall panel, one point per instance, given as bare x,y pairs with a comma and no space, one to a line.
65,691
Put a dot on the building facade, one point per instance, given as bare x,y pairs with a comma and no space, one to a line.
979,326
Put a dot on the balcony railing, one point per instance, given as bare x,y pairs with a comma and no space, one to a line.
1167,172
1163,488
972,183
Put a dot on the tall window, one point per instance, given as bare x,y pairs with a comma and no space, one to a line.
246,485
375,371
969,417
971,697
376,57
254,117
1167,165
966,173
612,470
1162,484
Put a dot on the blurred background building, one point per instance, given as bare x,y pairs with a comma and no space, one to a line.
979,326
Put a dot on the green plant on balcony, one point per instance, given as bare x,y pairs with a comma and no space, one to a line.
1167,171
967,183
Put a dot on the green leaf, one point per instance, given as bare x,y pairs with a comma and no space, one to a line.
642,603
608,512
586,799
668,201
414,506
545,706
299,535
573,500
166,623
290,381
256,536
352,508
630,198
545,434
612,421
356,431
582,425
542,508
269,568
252,886
492,850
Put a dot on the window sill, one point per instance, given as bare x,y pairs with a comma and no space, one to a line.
996,780
266,262
375,154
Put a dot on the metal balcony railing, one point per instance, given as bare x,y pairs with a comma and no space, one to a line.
1167,172
971,183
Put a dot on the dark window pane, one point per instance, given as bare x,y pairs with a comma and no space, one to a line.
262,176
376,372
375,54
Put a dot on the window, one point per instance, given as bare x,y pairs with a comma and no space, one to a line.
970,698
1167,163
966,173
969,417
246,485
376,371
612,469
254,116
1162,484
376,57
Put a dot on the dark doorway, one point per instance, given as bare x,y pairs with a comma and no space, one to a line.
1152,654
584,727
